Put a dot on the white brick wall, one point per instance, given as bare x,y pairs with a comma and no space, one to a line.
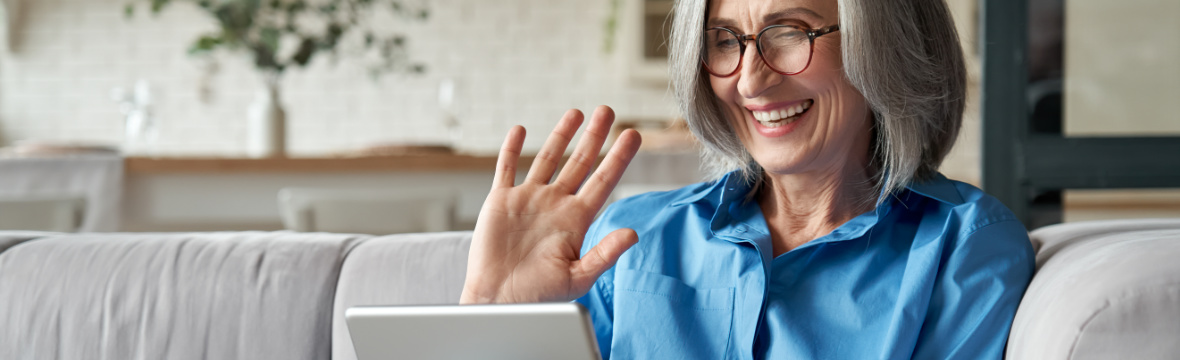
513,62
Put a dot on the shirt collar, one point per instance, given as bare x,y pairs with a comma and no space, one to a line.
938,188
731,186
737,215
712,192
734,218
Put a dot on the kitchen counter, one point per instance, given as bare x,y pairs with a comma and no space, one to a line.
225,193
428,162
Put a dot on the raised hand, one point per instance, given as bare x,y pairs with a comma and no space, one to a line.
528,237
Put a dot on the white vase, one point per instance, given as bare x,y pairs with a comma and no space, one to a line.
266,133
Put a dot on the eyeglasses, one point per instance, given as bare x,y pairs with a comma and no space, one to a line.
786,49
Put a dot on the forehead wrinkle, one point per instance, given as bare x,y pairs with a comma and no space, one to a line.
790,13
769,18
720,22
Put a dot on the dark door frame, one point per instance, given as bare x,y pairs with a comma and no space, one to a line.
1027,164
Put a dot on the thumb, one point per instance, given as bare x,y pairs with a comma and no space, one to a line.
600,258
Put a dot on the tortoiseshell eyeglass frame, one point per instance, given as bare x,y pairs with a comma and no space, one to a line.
743,38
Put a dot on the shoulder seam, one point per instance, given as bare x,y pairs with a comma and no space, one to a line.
986,222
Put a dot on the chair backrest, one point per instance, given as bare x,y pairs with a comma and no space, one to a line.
366,211
61,213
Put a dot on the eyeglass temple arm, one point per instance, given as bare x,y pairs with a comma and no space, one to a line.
826,30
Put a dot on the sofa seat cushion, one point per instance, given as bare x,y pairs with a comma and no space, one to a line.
1103,290
409,269
251,295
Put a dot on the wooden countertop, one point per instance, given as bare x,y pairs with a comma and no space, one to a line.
382,163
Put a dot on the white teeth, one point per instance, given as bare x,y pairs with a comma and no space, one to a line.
771,119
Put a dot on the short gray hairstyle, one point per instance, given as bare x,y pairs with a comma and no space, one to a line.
904,56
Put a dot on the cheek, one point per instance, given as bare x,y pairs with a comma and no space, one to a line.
848,111
826,62
844,114
723,88
725,91
828,52
826,73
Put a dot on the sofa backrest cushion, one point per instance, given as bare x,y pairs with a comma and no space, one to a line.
410,269
11,238
247,295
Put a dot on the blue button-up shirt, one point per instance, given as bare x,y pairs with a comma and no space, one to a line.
934,272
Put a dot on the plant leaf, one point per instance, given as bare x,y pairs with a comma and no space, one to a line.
297,6
158,5
259,26
269,37
265,59
306,50
332,37
205,44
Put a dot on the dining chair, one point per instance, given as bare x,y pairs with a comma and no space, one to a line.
61,213
366,211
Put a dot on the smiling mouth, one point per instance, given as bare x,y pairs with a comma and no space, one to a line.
781,117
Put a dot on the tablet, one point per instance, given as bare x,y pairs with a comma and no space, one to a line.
517,331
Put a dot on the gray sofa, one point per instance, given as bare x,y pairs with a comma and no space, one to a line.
1103,290
240,295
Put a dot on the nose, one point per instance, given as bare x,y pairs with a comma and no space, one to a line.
755,77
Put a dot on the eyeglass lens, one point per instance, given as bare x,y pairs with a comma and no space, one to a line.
786,49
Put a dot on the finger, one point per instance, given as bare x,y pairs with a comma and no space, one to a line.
600,258
586,153
554,149
603,181
509,155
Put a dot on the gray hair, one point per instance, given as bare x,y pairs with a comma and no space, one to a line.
903,56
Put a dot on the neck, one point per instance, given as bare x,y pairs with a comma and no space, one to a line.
802,207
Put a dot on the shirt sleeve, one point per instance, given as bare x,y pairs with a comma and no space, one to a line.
599,300
976,294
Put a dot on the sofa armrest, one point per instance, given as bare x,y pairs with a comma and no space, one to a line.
1103,290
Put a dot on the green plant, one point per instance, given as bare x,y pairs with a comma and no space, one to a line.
279,34
610,27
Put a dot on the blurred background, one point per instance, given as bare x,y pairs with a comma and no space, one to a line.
151,115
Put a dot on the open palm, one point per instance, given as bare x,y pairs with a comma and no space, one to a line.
528,237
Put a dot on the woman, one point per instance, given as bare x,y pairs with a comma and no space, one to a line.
826,232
